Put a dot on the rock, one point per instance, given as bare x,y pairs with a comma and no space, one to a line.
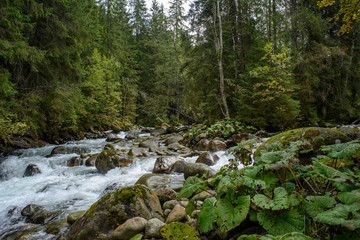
173,139
175,146
109,146
170,204
192,169
158,131
176,215
149,144
109,159
164,164
313,137
178,167
55,227
75,161
167,212
69,150
133,134
207,158
215,145
238,138
195,213
201,145
165,194
31,170
184,203
37,214
112,187
90,162
138,152
158,181
153,227
129,228
114,209
73,217
203,195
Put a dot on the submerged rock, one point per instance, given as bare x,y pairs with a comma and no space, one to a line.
68,150
114,209
37,214
31,170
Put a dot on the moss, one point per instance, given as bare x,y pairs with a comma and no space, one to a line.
318,142
115,218
110,152
127,195
95,205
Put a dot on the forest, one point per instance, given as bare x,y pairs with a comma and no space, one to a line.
68,66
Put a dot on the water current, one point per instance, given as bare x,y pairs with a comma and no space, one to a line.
63,188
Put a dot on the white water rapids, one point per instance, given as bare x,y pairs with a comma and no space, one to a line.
63,188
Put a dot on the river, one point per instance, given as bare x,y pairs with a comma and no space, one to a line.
62,188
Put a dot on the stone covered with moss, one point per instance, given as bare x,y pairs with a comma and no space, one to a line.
115,208
315,137
110,159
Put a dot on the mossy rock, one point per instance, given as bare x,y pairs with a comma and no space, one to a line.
179,230
55,227
314,136
158,181
115,208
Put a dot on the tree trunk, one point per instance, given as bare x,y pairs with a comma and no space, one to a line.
219,51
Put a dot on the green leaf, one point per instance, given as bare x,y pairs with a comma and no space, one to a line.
179,230
191,187
280,201
250,179
249,237
206,217
137,237
350,197
344,215
227,216
287,236
329,172
190,207
288,221
227,183
318,204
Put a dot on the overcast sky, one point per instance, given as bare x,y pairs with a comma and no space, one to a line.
166,4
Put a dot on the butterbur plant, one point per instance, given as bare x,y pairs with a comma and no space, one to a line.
281,195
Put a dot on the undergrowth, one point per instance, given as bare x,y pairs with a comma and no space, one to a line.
282,194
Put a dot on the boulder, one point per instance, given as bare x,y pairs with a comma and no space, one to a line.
129,228
112,187
164,164
215,145
73,217
132,135
175,146
31,170
178,167
176,215
114,209
207,158
109,159
90,162
201,145
75,161
173,139
138,152
165,194
204,195
158,181
170,204
56,227
153,227
313,137
192,169
37,214
69,150
158,131
149,144
238,138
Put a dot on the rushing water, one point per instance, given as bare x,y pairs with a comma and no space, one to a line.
59,187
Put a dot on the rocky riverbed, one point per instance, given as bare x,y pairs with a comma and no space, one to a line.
43,191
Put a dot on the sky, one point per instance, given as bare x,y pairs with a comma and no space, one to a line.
166,4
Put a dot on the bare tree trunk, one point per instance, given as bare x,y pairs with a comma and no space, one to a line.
219,50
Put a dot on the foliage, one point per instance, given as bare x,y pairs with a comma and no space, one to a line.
349,13
288,200
224,128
